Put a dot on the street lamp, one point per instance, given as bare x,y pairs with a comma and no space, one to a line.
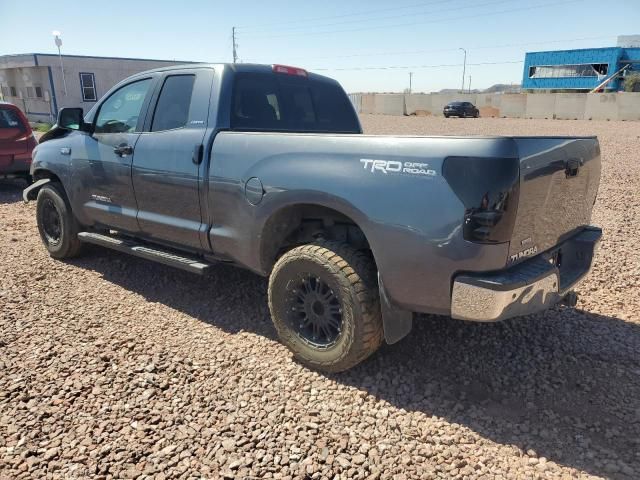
464,68
58,41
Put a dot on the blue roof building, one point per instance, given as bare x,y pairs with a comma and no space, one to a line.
579,70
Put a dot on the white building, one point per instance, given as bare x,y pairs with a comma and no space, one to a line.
35,83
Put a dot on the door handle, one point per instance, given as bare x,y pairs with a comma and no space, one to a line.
123,150
198,152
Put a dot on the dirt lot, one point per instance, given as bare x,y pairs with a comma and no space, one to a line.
113,367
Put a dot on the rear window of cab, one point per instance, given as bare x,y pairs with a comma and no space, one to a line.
286,103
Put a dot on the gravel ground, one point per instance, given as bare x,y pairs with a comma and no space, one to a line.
113,367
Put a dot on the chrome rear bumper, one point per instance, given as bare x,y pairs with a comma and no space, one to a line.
528,287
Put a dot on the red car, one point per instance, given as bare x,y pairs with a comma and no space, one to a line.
16,142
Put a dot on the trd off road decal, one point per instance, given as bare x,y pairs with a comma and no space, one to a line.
393,166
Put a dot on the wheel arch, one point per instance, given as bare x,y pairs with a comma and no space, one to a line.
41,177
279,235
295,224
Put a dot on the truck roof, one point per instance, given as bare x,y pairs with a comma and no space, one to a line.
235,67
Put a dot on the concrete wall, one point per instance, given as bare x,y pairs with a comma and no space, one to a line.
513,105
389,104
419,104
569,106
540,106
628,106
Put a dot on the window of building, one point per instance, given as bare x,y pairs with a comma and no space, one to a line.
30,92
13,92
564,71
5,90
172,109
38,90
88,87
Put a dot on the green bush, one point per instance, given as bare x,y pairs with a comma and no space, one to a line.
632,83
42,127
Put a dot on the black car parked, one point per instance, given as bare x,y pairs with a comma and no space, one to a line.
461,109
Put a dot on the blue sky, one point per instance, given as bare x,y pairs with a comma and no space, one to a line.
345,40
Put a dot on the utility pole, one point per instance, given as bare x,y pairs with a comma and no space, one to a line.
464,68
469,83
235,45
410,78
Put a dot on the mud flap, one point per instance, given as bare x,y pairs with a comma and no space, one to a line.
31,192
396,322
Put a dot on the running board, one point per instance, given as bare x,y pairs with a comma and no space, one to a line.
128,246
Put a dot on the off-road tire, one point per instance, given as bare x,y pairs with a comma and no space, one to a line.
68,244
351,274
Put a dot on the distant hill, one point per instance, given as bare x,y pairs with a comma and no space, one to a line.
457,90
502,88
497,88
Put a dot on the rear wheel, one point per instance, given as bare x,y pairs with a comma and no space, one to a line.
57,226
324,303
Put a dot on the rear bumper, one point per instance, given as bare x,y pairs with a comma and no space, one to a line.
526,288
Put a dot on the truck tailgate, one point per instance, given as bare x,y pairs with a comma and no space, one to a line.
559,179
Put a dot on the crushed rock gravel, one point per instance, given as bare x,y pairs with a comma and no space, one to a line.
113,367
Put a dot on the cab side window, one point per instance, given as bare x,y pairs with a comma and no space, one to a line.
120,112
172,109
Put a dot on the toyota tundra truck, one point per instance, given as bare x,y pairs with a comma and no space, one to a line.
266,167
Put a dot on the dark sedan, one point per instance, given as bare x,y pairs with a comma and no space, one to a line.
461,109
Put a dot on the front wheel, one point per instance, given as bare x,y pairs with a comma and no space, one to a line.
325,305
57,226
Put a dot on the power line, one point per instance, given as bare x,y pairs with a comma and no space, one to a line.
440,50
444,20
401,67
395,8
387,17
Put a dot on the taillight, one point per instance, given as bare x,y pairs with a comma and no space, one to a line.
298,72
488,189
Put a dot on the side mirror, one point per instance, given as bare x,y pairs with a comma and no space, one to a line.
71,119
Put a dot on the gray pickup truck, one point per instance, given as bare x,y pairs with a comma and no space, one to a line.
266,167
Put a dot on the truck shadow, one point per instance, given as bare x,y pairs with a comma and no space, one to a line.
11,190
565,384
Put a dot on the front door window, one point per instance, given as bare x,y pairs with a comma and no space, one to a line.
120,112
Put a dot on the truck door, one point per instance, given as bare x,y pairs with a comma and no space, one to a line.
102,188
168,166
